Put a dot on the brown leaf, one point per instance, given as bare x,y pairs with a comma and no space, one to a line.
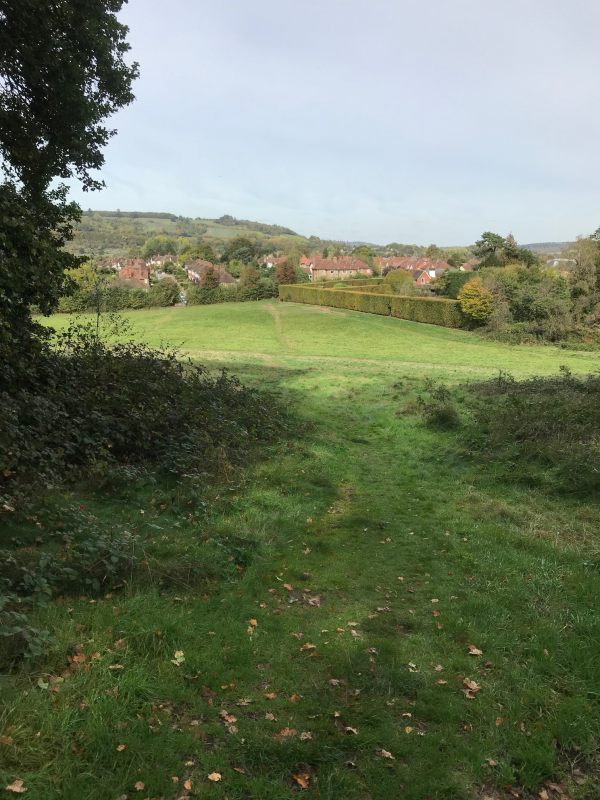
439,668
302,779
305,736
499,721
294,698
436,612
471,688
286,733
215,777
18,787
270,695
349,729
475,651
491,763
120,748
270,717
384,753
288,586
139,786
187,785
308,646
253,622
6,740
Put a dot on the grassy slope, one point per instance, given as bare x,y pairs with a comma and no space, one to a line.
363,496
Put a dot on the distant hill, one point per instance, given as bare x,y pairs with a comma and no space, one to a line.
113,233
547,247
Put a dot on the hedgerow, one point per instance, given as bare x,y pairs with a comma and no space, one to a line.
432,310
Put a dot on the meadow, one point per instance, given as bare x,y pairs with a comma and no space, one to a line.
364,612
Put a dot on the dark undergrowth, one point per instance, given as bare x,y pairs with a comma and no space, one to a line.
121,419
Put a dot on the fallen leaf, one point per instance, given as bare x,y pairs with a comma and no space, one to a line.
187,785
302,779
499,721
6,740
18,787
288,586
350,729
308,646
294,698
491,763
115,666
270,717
439,668
215,777
436,612
178,658
253,622
139,786
471,688
227,717
441,682
286,733
305,736
309,520
543,795
241,770
270,695
475,651
384,754
120,748
408,729
333,682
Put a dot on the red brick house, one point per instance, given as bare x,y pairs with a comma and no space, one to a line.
422,278
135,271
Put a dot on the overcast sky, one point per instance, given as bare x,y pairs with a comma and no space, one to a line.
377,120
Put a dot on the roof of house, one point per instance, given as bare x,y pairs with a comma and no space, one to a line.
200,267
342,264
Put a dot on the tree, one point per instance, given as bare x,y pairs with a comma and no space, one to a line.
62,73
210,279
433,251
240,249
285,273
159,245
249,277
399,280
476,302
488,249
451,282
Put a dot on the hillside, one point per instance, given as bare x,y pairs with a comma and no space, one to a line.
111,233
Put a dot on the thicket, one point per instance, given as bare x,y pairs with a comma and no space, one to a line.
432,310
261,290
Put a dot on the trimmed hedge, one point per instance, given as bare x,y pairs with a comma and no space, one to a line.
431,310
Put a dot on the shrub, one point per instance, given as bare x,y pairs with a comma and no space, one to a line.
476,302
437,407
90,403
399,280
164,293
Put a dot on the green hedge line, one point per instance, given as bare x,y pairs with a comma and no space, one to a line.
431,310
198,296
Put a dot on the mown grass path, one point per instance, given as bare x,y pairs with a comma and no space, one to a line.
370,569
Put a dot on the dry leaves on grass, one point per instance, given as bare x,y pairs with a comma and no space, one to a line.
17,787
475,651
302,779
471,688
384,754
139,786
178,658
215,777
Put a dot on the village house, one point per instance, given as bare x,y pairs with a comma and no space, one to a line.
135,272
198,267
335,268
422,277
160,261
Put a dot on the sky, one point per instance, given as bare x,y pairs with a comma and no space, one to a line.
364,120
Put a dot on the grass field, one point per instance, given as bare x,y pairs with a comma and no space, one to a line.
371,614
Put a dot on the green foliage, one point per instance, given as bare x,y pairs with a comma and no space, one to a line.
239,293
240,249
159,246
494,250
451,282
542,430
476,302
90,403
163,293
420,309
399,280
